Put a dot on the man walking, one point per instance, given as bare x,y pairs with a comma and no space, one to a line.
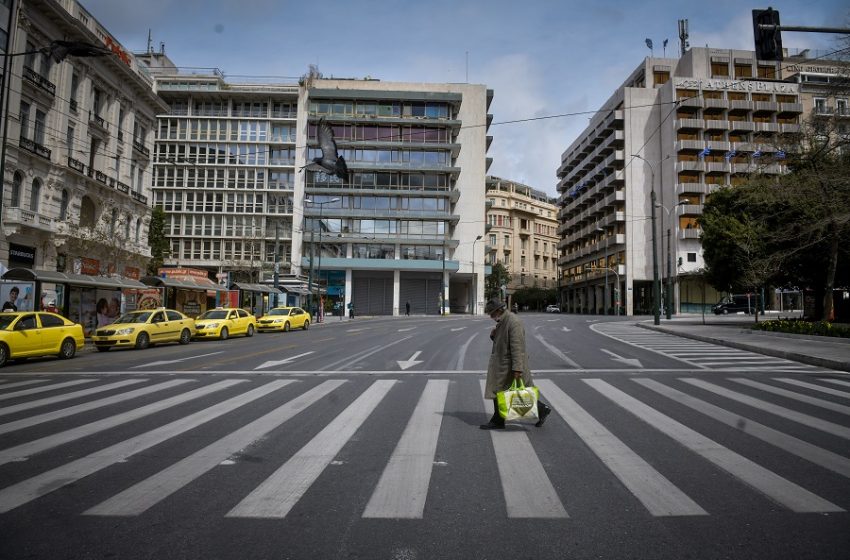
508,361
407,309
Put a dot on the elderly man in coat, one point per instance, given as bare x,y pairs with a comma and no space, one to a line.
508,361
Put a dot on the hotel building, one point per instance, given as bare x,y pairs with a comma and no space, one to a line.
708,119
522,233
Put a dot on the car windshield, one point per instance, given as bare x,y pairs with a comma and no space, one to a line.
215,314
6,320
138,317
279,312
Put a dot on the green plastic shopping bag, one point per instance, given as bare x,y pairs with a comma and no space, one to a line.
518,402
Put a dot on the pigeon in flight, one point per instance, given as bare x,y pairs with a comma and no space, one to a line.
330,162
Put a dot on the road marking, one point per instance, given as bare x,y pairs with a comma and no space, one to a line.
566,329
403,487
347,362
164,362
838,382
54,440
819,456
555,351
405,364
360,329
813,387
628,361
527,489
773,486
407,329
799,417
658,495
45,389
458,329
21,383
277,495
85,407
829,405
281,362
461,356
144,495
37,486
68,396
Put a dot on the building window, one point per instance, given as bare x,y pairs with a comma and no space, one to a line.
87,212
75,86
38,131
661,77
743,71
25,119
69,140
841,108
507,241
35,195
63,206
692,257
138,228
719,69
16,190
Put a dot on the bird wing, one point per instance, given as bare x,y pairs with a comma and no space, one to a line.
327,142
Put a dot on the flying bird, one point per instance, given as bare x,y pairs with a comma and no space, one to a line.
330,161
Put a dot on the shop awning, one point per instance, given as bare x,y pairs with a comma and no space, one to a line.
52,276
261,288
185,283
296,290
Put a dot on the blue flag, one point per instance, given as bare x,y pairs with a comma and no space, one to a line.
730,154
780,154
757,153
649,43
705,151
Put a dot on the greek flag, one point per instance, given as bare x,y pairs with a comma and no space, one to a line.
780,154
705,151
649,43
757,153
730,154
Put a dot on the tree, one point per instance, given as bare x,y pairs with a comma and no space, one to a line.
498,277
160,248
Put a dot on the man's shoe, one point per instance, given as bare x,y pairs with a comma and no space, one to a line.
491,425
543,411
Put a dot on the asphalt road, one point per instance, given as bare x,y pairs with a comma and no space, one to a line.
360,440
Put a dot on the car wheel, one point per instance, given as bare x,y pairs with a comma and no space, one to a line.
185,336
102,348
725,312
224,333
68,349
4,354
142,341
286,327
306,325
250,331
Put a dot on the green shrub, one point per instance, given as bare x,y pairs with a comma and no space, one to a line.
817,328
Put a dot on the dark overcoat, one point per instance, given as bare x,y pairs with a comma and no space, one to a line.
508,355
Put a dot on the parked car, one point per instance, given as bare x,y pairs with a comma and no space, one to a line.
222,322
284,319
29,334
553,309
143,328
735,304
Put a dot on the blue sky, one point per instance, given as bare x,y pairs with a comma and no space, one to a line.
541,57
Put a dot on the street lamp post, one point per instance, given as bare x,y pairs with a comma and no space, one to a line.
605,291
474,283
276,262
318,298
669,298
656,287
442,281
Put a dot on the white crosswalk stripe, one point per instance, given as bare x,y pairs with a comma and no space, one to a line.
407,481
700,354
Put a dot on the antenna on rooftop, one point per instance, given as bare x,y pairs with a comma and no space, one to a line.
683,36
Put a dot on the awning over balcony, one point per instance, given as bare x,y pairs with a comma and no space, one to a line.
52,276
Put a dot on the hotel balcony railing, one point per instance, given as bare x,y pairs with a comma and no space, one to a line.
689,123
101,177
738,105
791,107
40,81
692,233
35,148
689,210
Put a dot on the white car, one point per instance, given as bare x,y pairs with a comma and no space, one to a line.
553,309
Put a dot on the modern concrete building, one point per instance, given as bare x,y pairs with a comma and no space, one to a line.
77,142
522,233
824,78
681,128
228,175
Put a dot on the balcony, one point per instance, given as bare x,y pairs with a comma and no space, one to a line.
691,188
35,148
15,216
140,147
689,145
689,210
715,103
711,124
97,123
689,123
77,165
42,83
741,105
138,197
767,106
692,233
791,108
747,126
767,127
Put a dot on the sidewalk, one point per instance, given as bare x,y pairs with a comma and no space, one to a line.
734,331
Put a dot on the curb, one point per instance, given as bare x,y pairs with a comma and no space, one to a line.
802,358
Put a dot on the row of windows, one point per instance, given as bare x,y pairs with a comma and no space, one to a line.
385,133
431,110
414,157
253,179
382,180
381,203
230,226
251,203
376,227
223,154
238,131
223,108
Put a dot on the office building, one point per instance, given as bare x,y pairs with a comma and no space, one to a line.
708,119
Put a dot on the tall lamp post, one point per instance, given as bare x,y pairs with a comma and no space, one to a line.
58,51
605,291
656,286
321,206
474,282
669,298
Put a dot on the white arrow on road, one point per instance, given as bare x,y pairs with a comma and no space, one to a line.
404,364
163,362
458,329
565,329
281,362
628,361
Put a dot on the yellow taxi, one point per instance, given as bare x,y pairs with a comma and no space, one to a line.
27,334
284,319
145,327
222,322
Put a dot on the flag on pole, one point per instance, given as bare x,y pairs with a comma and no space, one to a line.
649,43
780,154
730,154
757,153
705,151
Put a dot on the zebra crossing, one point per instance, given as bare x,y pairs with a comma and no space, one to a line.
673,409
699,354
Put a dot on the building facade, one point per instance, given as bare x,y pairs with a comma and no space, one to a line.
228,175
680,128
522,233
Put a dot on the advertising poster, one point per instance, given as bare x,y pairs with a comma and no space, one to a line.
17,296
108,306
82,308
148,299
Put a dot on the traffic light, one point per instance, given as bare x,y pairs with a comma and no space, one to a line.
768,41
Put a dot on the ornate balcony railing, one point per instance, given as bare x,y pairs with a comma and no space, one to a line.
35,148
